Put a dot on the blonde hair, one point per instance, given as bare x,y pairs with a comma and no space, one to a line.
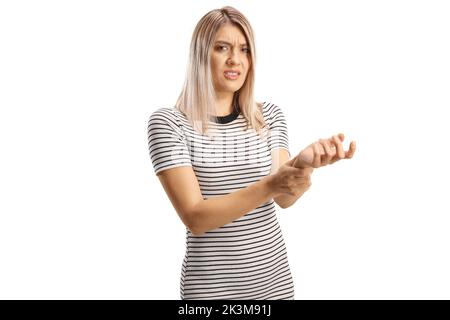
197,98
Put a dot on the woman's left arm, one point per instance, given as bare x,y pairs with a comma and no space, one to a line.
312,156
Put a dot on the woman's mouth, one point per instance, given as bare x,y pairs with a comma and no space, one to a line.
231,75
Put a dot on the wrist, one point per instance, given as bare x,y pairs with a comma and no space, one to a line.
268,183
298,162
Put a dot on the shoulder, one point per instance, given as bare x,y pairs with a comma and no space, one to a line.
164,116
271,111
162,113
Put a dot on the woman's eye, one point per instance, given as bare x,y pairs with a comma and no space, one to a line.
246,50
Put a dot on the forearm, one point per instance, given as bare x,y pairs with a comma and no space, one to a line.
215,212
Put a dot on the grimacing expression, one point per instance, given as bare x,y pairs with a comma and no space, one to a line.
230,52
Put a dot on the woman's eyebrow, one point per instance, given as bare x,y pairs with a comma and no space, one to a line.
221,41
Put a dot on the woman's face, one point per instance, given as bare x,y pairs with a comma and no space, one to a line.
230,52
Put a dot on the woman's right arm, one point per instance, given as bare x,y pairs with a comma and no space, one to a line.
201,215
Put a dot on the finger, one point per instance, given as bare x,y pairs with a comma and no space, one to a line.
308,170
328,151
322,152
304,172
335,143
320,148
302,185
334,148
317,156
299,180
294,171
351,150
291,161
301,176
340,149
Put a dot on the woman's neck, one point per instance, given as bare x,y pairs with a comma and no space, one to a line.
224,104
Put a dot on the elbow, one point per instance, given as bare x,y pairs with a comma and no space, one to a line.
193,223
195,229
196,232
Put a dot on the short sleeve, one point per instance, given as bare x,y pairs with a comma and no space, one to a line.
166,143
278,136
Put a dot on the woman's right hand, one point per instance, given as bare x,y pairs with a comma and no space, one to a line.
290,180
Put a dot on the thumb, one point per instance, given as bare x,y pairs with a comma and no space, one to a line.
291,162
297,171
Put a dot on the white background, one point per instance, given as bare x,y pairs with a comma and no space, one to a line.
82,215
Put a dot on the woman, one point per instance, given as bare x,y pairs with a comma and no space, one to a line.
223,160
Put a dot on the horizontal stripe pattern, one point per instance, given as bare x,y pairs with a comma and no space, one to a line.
246,258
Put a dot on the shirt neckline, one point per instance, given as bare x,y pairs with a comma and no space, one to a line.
226,119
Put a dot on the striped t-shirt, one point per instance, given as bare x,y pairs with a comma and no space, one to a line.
246,258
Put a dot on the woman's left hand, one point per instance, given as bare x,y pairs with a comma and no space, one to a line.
324,152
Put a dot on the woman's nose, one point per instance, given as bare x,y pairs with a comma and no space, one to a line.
234,58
